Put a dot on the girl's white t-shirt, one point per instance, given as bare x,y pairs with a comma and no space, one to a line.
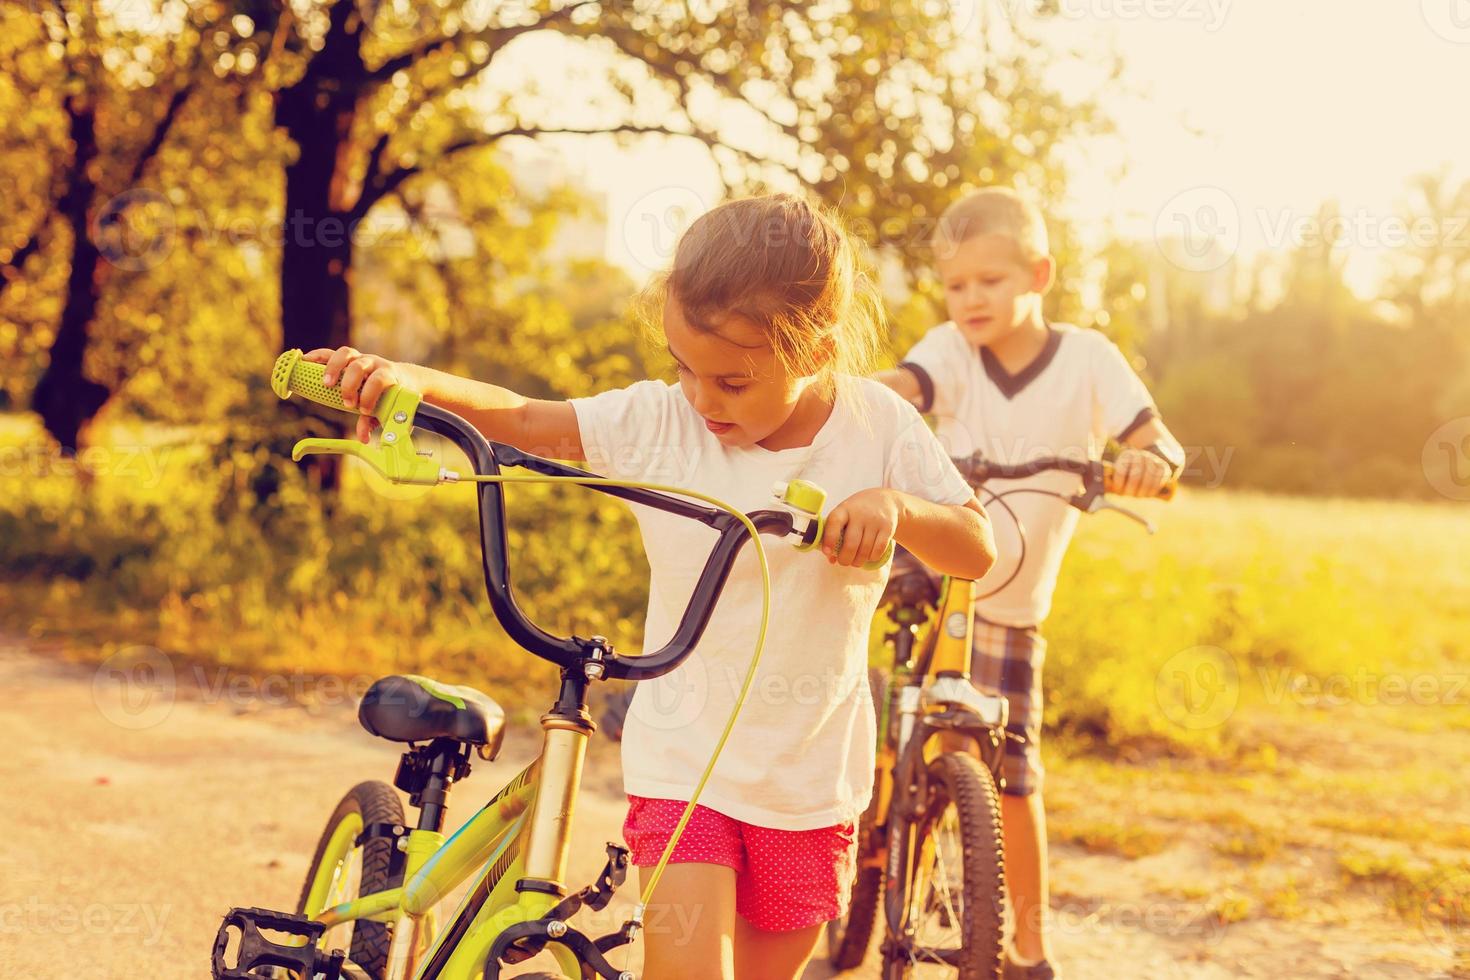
801,754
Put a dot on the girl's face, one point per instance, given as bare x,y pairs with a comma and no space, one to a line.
732,378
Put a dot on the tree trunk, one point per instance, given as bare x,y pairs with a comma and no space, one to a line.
64,397
317,113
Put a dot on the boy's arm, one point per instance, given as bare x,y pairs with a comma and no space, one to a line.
1150,458
904,382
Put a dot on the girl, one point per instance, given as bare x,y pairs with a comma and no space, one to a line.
770,323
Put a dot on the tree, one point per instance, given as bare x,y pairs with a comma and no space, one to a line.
885,111
877,108
109,95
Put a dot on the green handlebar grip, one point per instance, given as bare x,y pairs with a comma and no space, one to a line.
292,374
393,456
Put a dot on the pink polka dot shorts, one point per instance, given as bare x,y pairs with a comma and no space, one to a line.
785,879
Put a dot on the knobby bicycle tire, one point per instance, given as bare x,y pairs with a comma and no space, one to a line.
375,802
959,779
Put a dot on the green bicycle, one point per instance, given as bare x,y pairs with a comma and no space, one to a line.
368,908
930,855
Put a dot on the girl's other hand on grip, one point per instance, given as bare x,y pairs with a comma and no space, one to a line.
858,529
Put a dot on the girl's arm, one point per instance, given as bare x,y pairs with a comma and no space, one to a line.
546,428
954,539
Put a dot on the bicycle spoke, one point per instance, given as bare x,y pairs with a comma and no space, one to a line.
344,888
953,872
937,900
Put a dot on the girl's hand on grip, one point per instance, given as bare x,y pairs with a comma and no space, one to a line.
858,529
362,377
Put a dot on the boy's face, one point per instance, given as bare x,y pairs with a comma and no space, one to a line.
990,288
732,378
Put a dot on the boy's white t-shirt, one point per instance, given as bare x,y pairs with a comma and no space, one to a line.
801,756
1076,394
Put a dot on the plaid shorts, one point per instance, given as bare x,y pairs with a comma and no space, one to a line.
1006,660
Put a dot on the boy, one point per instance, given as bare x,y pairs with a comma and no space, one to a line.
1003,381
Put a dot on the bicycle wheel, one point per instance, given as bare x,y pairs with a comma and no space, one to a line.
848,936
951,900
341,871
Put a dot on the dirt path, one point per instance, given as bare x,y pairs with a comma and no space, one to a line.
136,825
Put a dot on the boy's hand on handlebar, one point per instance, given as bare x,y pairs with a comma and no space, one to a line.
858,529
1137,474
362,377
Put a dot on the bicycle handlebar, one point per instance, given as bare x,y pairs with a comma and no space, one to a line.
976,470
488,457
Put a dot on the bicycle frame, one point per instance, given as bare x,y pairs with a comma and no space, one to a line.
522,834
940,676
935,709
518,844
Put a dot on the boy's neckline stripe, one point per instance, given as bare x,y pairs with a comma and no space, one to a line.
1012,385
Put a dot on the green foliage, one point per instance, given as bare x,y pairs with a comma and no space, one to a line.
226,556
186,557
1284,588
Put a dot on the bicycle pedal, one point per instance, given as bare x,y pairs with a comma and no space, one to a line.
256,954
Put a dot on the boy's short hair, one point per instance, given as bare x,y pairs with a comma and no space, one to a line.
993,211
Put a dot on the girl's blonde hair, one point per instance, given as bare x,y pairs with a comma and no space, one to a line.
788,268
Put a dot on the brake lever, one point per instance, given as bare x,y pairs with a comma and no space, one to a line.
1148,525
1092,503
